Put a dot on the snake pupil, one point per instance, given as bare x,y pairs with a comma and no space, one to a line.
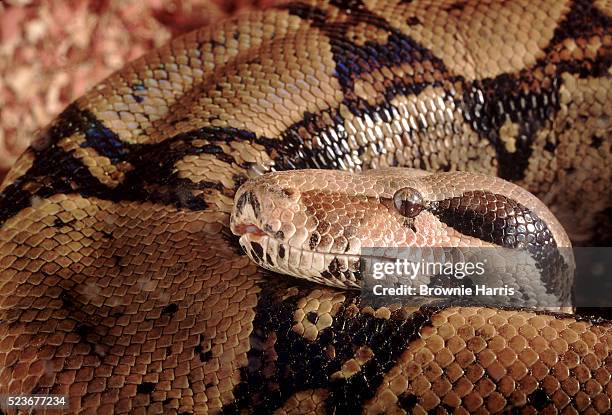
408,202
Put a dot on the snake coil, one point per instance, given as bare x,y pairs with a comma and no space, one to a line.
122,287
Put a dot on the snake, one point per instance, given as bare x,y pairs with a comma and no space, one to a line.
325,225
124,288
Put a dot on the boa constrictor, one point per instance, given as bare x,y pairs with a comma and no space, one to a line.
122,287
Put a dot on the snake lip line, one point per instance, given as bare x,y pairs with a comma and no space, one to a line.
253,233
248,228
297,261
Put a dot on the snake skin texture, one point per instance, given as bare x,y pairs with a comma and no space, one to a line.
122,286
317,224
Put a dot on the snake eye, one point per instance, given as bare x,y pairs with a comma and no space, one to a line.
408,202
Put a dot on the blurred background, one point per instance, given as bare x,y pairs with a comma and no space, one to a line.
52,51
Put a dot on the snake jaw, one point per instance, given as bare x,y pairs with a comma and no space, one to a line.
280,246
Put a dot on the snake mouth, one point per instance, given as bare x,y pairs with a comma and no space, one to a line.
248,229
278,256
271,251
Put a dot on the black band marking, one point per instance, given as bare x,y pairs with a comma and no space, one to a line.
153,179
352,60
294,364
504,222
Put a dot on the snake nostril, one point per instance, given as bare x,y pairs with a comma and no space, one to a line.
408,201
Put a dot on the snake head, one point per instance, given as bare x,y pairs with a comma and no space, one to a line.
315,224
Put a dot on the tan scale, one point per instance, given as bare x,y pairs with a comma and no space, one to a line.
586,102
405,139
138,249
363,32
480,359
324,305
305,402
508,134
100,167
188,65
206,166
467,37
433,144
353,366
255,98
19,168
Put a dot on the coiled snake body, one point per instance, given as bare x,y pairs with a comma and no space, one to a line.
122,286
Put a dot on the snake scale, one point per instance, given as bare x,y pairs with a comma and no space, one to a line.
122,287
